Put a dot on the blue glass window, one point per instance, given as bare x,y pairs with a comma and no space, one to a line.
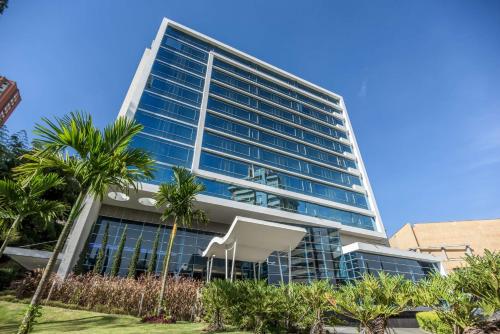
166,128
164,151
166,107
174,44
251,196
163,87
262,175
222,124
181,61
177,75
226,145
206,46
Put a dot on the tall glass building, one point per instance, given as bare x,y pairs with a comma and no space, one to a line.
268,146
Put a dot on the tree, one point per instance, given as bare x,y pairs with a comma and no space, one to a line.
452,305
3,5
177,200
466,299
316,298
481,277
101,255
117,261
19,201
12,147
154,253
372,300
97,160
132,269
34,228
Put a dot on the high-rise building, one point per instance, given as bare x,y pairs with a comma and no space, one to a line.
450,240
9,98
287,193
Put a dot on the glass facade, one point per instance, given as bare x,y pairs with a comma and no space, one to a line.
355,264
316,257
259,126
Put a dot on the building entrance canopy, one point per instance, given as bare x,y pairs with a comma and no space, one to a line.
252,240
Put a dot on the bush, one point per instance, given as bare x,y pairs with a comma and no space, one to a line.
430,322
118,295
263,308
9,271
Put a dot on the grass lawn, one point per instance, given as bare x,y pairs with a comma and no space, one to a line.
59,320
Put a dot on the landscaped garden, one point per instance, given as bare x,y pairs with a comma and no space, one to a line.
72,150
60,320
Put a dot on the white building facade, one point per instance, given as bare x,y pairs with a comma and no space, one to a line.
269,147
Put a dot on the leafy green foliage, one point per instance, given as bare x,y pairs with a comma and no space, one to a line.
481,278
12,147
117,260
263,308
372,300
316,298
177,201
177,198
154,253
132,269
96,160
217,299
19,201
101,255
430,322
465,298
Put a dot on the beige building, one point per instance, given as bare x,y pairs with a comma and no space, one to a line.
449,240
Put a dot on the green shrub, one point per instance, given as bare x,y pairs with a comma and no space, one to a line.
430,322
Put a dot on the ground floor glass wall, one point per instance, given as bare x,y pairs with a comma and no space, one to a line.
355,264
316,257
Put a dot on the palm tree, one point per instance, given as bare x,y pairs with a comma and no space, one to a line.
19,201
177,198
372,300
96,159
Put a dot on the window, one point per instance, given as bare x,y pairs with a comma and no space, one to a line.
167,107
163,87
182,77
164,151
181,61
166,128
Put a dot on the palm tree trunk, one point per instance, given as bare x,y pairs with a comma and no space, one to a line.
27,322
377,325
165,267
7,236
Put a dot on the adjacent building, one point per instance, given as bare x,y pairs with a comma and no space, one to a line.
450,240
287,192
9,98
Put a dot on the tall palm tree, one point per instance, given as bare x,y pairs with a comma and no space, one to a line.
96,159
372,300
19,201
177,200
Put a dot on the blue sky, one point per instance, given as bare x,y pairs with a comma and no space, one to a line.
421,79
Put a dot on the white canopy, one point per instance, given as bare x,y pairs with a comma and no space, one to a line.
255,239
